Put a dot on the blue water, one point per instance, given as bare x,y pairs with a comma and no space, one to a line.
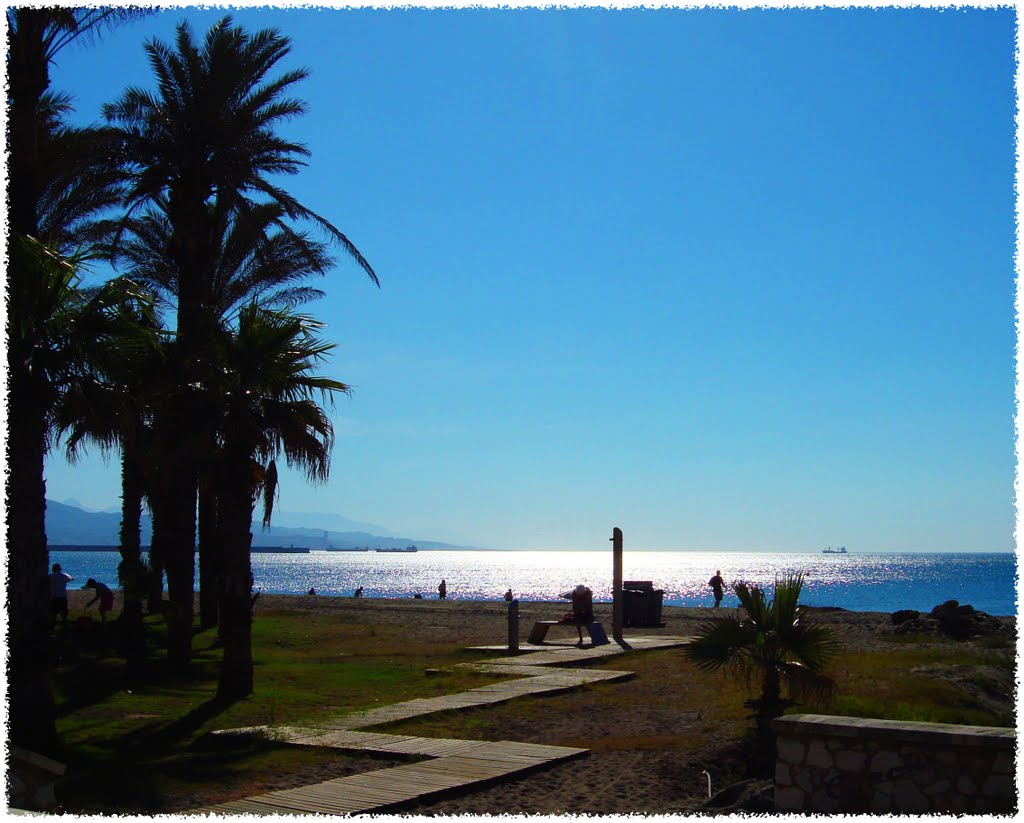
859,582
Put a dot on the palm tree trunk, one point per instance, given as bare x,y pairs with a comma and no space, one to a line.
155,575
132,570
22,186
766,708
29,77
160,508
173,500
236,673
180,562
30,700
190,249
210,560
771,694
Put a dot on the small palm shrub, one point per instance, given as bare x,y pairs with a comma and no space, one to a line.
770,640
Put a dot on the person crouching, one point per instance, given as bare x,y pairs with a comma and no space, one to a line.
103,594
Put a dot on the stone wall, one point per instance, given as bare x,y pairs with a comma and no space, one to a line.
856,765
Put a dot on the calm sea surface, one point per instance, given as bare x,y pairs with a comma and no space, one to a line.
860,582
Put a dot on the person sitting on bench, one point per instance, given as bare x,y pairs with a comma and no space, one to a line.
582,608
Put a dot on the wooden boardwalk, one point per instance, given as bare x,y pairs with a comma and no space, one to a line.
453,764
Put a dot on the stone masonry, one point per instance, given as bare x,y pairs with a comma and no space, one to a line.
863,766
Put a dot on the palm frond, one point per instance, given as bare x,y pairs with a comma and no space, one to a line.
815,646
805,684
771,638
718,643
787,595
269,492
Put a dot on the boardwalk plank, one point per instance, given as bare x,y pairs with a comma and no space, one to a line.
245,806
368,798
294,804
344,797
326,804
352,797
375,781
421,746
458,747
467,765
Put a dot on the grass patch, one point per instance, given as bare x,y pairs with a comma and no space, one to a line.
948,712
210,769
934,683
145,744
984,642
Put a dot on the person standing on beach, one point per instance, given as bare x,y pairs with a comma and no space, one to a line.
509,596
59,593
717,583
442,590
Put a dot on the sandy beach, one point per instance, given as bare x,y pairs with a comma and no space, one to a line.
475,622
647,751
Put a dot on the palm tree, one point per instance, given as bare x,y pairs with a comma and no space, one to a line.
35,36
257,261
77,178
203,150
115,411
269,409
64,339
40,158
773,642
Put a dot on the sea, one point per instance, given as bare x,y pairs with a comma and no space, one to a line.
854,581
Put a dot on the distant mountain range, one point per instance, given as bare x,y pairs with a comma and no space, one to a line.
68,525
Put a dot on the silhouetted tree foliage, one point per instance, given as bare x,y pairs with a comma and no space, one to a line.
53,192
202,152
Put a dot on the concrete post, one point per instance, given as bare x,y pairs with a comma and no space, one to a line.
513,627
617,584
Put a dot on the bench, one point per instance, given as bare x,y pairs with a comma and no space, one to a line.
540,631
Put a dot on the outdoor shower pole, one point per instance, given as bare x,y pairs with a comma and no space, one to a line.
617,584
513,627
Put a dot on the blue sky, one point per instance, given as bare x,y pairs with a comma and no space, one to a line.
722,278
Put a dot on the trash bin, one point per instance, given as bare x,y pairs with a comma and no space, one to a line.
634,608
641,604
654,599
